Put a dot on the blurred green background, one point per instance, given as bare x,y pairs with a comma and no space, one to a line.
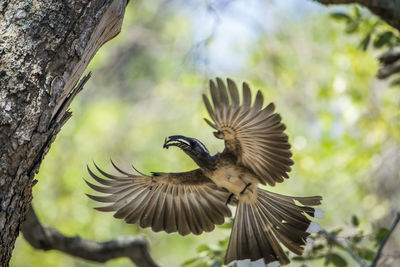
343,123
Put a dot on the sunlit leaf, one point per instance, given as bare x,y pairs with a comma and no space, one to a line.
357,12
203,247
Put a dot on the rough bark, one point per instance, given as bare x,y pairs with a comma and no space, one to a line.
47,238
388,11
45,47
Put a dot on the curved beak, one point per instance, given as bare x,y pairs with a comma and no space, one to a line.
177,140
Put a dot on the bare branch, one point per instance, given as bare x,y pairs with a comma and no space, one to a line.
47,238
390,63
378,254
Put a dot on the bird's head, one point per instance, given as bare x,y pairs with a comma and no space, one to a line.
191,146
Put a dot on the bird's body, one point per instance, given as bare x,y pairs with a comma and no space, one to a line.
233,178
256,152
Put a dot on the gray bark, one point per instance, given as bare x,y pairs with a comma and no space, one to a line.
45,47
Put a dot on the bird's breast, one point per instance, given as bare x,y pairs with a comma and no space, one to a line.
234,179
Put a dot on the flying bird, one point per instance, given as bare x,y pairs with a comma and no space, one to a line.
256,152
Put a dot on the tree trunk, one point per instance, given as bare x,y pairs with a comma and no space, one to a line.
45,47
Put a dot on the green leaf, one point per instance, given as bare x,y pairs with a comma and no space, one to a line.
336,231
381,234
227,225
338,260
189,261
383,39
354,218
357,238
357,12
202,248
352,26
366,253
298,258
318,247
365,42
340,16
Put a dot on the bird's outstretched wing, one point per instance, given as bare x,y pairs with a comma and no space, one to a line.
186,202
255,135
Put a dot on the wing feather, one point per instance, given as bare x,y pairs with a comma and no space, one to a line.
187,202
253,134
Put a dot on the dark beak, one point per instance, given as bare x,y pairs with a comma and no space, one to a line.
177,140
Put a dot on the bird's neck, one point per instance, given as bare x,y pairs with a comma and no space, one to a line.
205,161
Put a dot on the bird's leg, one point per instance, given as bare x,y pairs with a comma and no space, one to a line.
244,189
229,199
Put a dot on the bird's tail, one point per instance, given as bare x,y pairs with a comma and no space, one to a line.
272,217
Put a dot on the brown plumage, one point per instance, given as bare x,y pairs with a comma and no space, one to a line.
256,151
186,202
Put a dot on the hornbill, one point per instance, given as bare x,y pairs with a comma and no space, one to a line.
256,151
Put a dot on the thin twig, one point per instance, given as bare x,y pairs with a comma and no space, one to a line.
378,254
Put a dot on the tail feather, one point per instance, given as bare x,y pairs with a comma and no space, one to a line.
261,226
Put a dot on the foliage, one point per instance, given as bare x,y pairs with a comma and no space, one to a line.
210,255
147,84
371,29
326,249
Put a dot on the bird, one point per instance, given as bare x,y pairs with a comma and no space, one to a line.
256,154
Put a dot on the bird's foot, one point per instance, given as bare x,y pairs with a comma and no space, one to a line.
244,189
229,199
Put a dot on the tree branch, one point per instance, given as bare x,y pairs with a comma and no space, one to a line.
354,255
390,62
379,253
47,238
